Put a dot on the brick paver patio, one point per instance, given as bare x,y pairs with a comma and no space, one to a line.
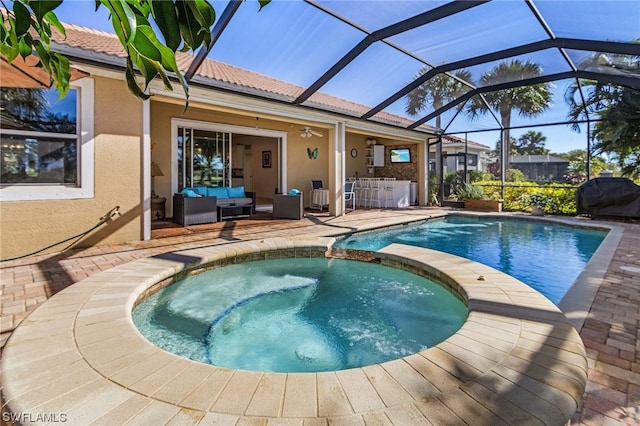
610,332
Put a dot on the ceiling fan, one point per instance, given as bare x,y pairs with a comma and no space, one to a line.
306,132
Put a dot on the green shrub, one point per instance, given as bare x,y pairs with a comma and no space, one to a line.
542,200
563,195
515,175
469,192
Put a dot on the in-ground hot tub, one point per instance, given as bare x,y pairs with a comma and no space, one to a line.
300,315
515,360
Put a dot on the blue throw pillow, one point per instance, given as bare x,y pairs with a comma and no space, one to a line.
200,190
189,193
236,192
219,192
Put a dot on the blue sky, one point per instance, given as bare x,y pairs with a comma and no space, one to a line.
288,40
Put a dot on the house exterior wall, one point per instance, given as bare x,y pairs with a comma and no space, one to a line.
300,168
27,226
356,166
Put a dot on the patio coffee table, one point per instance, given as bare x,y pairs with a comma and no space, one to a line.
234,211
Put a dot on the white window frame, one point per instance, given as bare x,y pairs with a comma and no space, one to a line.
85,186
227,128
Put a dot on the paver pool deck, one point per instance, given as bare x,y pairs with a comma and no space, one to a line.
108,390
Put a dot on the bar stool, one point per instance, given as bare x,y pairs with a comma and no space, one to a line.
363,191
387,188
375,189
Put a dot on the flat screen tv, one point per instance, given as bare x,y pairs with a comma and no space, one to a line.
400,155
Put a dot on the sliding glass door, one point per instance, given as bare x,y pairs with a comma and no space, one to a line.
203,158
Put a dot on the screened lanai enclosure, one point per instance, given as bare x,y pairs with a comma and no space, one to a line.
484,71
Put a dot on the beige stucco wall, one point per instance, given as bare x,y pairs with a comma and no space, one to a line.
27,226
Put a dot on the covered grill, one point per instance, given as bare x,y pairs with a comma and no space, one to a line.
609,197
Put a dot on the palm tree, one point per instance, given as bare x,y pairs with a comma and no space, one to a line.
529,101
435,93
530,143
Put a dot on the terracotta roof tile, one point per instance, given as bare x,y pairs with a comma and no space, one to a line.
451,139
218,74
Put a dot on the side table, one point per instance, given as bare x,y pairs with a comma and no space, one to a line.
157,208
288,206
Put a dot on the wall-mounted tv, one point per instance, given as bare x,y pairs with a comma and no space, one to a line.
400,155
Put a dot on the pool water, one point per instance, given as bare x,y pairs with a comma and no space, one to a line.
546,256
300,315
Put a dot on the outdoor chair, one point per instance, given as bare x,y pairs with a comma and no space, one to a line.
349,195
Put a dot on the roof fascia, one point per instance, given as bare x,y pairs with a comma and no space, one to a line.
233,101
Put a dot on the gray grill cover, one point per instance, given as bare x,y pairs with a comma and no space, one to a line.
608,197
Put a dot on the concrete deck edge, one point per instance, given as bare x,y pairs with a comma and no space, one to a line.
517,358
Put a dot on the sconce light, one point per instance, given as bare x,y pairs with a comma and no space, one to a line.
155,171
371,141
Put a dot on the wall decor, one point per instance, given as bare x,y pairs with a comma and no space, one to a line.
266,159
354,153
312,154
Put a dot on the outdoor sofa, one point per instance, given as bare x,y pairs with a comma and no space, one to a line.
206,204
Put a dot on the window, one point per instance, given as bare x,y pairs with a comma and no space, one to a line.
472,159
203,158
46,147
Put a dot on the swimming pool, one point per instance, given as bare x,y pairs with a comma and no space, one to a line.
300,315
544,255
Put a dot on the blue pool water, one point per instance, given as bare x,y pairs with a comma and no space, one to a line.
546,256
300,315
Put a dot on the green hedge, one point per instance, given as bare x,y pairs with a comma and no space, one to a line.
564,195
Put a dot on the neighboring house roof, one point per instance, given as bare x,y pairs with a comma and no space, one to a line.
455,140
514,159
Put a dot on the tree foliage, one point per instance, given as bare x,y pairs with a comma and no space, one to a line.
618,130
183,25
528,101
577,170
615,108
437,91
531,143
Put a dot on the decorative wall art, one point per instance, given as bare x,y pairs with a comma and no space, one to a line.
312,154
266,159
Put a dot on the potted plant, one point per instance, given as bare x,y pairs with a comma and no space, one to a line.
539,202
474,199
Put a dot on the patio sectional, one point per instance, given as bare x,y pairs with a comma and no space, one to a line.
207,204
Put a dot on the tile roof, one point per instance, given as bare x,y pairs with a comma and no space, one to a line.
451,140
221,75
